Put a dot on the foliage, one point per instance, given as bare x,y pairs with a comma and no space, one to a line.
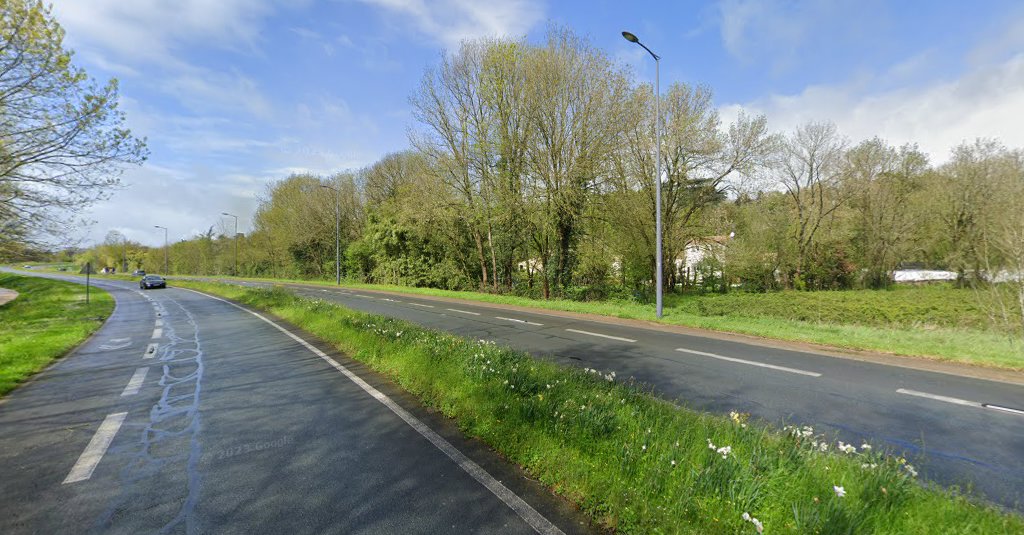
62,137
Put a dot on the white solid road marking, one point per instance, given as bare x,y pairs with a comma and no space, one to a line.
463,311
135,383
524,510
150,351
157,333
751,362
518,321
421,305
610,337
97,447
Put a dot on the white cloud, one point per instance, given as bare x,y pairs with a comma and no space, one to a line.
987,101
452,21
150,29
777,31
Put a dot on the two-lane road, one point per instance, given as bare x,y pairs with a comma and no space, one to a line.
957,430
187,414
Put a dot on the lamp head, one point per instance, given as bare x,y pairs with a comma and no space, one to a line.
630,37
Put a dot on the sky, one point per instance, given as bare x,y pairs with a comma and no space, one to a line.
232,95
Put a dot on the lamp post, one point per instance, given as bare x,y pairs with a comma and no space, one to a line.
234,271
165,248
337,233
124,254
657,156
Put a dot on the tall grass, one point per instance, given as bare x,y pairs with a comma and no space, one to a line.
636,463
48,319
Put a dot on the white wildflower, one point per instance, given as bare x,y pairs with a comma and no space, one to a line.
724,451
840,491
673,462
865,446
711,445
757,523
910,470
847,448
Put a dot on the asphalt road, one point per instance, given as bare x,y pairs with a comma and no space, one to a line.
187,414
957,431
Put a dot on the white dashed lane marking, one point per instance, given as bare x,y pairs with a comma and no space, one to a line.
135,383
462,311
936,397
519,321
608,336
961,402
150,350
1002,409
750,362
421,305
158,333
93,453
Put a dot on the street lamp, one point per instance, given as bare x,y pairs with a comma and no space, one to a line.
165,248
657,156
235,270
337,233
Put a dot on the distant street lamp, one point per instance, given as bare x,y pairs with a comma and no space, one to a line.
235,270
337,233
165,249
657,156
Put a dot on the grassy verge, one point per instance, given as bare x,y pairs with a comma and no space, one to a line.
637,464
48,319
934,322
937,323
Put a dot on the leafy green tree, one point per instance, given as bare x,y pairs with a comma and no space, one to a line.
62,137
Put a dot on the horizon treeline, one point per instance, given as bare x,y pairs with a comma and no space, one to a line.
532,171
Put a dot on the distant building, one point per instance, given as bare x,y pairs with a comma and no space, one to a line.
915,276
698,250
531,265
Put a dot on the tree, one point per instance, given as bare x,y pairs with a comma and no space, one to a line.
62,140
809,172
884,180
698,160
578,105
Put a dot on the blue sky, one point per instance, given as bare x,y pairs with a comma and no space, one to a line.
234,94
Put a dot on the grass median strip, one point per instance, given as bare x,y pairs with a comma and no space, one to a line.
636,463
47,320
